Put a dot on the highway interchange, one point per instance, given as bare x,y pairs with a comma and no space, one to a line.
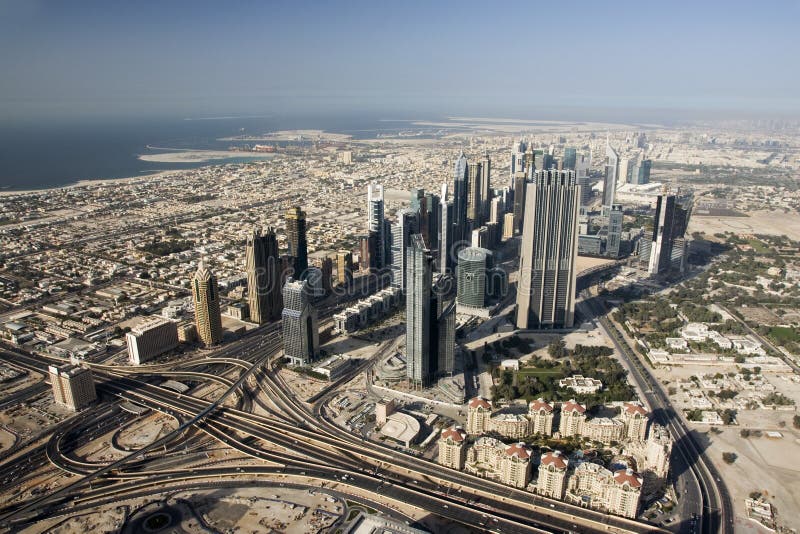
294,443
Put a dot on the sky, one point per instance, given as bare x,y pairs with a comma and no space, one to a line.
114,58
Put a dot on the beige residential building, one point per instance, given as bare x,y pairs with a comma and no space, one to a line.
573,417
479,410
73,386
595,486
552,475
652,457
636,419
603,429
452,448
540,417
206,306
508,226
508,425
383,409
508,464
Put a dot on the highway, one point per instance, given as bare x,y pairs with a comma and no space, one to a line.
713,502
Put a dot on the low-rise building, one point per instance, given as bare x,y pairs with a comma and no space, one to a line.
581,384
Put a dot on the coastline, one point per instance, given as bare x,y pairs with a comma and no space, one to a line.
89,182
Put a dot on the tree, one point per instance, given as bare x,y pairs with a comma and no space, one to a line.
744,433
728,457
557,349
728,416
796,421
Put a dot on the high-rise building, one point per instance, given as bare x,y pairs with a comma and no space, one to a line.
508,226
344,267
636,419
517,161
614,237
540,416
368,252
573,417
460,200
452,448
669,227
520,190
150,338
486,187
296,240
376,222
419,277
73,386
300,327
402,230
263,279
207,316
546,287
479,411
570,159
446,259
474,199
473,285
610,181
445,329
641,173
552,474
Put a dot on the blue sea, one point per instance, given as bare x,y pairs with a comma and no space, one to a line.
51,154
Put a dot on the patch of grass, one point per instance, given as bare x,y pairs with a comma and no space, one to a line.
781,334
539,371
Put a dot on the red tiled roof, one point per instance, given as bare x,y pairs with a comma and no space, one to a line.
455,433
632,408
480,402
571,405
540,404
628,476
520,450
555,459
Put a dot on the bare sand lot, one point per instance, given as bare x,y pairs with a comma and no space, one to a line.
757,222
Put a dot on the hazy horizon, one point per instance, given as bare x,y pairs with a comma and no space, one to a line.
97,60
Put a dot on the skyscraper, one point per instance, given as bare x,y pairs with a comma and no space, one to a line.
611,176
546,287
474,196
263,278
615,217
642,172
669,227
300,328
460,200
486,188
517,161
296,240
570,158
344,267
206,306
419,277
625,167
402,230
472,274
520,188
445,337
376,223
445,233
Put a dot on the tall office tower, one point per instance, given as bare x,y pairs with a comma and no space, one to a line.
73,386
263,278
446,259
474,195
520,189
529,161
641,141
669,225
300,328
508,226
419,278
517,161
402,230
546,162
368,252
486,188
460,199
570,158
325,265
546,287
615,216
625,166
496,210
344,267
611,176
473,286
642,174
445,327
296,239
206,306
433,220
376,223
